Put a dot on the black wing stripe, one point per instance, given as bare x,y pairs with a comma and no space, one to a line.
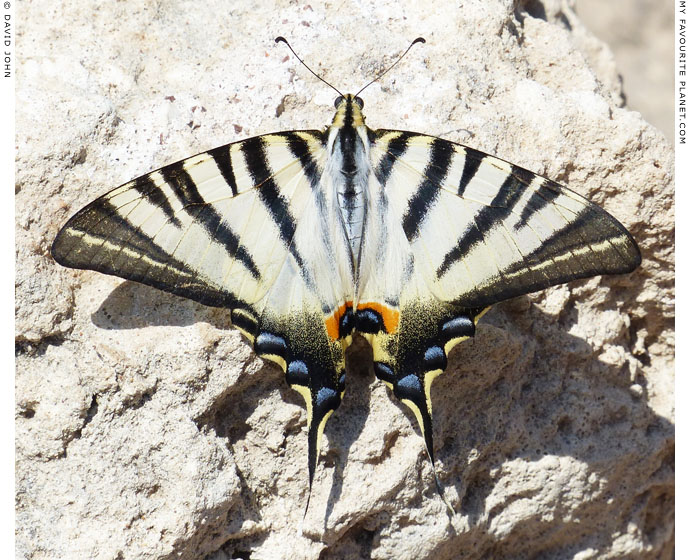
186,190
275,203
427,193
501,206
545,194
182,184
473,160
221,233
459,251
394,150
300,149
221,156
153,194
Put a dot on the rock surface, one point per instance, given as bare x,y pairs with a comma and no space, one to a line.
145,426
641,36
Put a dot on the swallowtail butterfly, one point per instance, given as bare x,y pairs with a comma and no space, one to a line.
308,237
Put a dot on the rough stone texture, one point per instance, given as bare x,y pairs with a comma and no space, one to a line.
145,426
641,36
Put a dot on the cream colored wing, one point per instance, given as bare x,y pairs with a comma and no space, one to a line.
241,227
451,231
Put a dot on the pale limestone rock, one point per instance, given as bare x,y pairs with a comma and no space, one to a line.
146,428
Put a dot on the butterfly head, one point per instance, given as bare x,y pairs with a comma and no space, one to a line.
348,111
344,98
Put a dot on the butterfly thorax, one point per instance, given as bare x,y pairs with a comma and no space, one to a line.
349,170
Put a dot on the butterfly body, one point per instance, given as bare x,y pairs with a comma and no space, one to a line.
308,237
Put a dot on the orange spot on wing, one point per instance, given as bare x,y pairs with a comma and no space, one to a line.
390,316
333,322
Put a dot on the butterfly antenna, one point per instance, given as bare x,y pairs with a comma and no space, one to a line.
284,40
417,40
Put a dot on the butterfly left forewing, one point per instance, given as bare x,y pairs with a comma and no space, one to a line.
214,227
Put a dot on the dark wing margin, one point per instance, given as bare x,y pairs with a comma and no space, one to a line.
99,238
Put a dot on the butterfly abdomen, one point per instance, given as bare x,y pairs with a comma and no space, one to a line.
349,172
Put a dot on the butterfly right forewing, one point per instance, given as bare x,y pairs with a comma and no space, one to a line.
483,230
